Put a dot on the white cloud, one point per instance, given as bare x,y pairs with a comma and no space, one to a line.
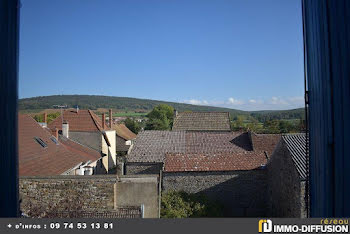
196,102
278,101
233,101
297,100
252,101
273,103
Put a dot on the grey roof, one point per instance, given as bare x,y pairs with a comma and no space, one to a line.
217,142
151,146
296,145
120,144
202,121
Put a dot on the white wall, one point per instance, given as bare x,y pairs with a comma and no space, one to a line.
110,151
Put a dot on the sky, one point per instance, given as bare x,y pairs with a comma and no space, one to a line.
240,54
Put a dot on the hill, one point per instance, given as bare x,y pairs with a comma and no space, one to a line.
126,104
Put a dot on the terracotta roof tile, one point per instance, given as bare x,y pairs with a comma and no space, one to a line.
202,121
124,132
264,142
36,160
81,121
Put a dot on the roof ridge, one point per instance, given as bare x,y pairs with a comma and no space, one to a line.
93,117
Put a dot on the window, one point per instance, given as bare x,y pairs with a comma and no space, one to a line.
54,140
40,142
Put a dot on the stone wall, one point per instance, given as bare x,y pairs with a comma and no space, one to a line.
243,193
52,194
286,191
143,168
42,194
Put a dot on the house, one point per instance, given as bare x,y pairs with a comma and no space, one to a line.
235,180
86,128
41,153
123,138
150,147
229,167
201,121
93,167
287,176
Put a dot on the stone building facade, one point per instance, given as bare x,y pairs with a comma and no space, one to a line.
286,173
243,193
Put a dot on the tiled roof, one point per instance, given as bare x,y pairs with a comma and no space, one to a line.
81,121
264,142
202,121
124,132
214,162
151,146
296,145
120,212
80,149
207,142
35,160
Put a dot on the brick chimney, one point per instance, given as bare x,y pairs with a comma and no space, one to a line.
110,118
103,120
45,117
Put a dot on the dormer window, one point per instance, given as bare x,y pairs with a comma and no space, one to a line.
40,142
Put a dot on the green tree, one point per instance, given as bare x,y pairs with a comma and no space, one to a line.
40,117
286,126
301,125
184,205
160,118
133,125
238,123
254,125
272,126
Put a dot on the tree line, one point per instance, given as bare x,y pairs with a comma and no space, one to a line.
162,118
124,104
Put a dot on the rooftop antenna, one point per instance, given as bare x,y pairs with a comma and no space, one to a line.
61,107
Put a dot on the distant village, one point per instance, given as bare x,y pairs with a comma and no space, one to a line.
83,165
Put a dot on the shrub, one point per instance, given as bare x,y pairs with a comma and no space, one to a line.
185,205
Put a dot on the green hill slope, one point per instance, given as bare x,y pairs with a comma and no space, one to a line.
139,105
